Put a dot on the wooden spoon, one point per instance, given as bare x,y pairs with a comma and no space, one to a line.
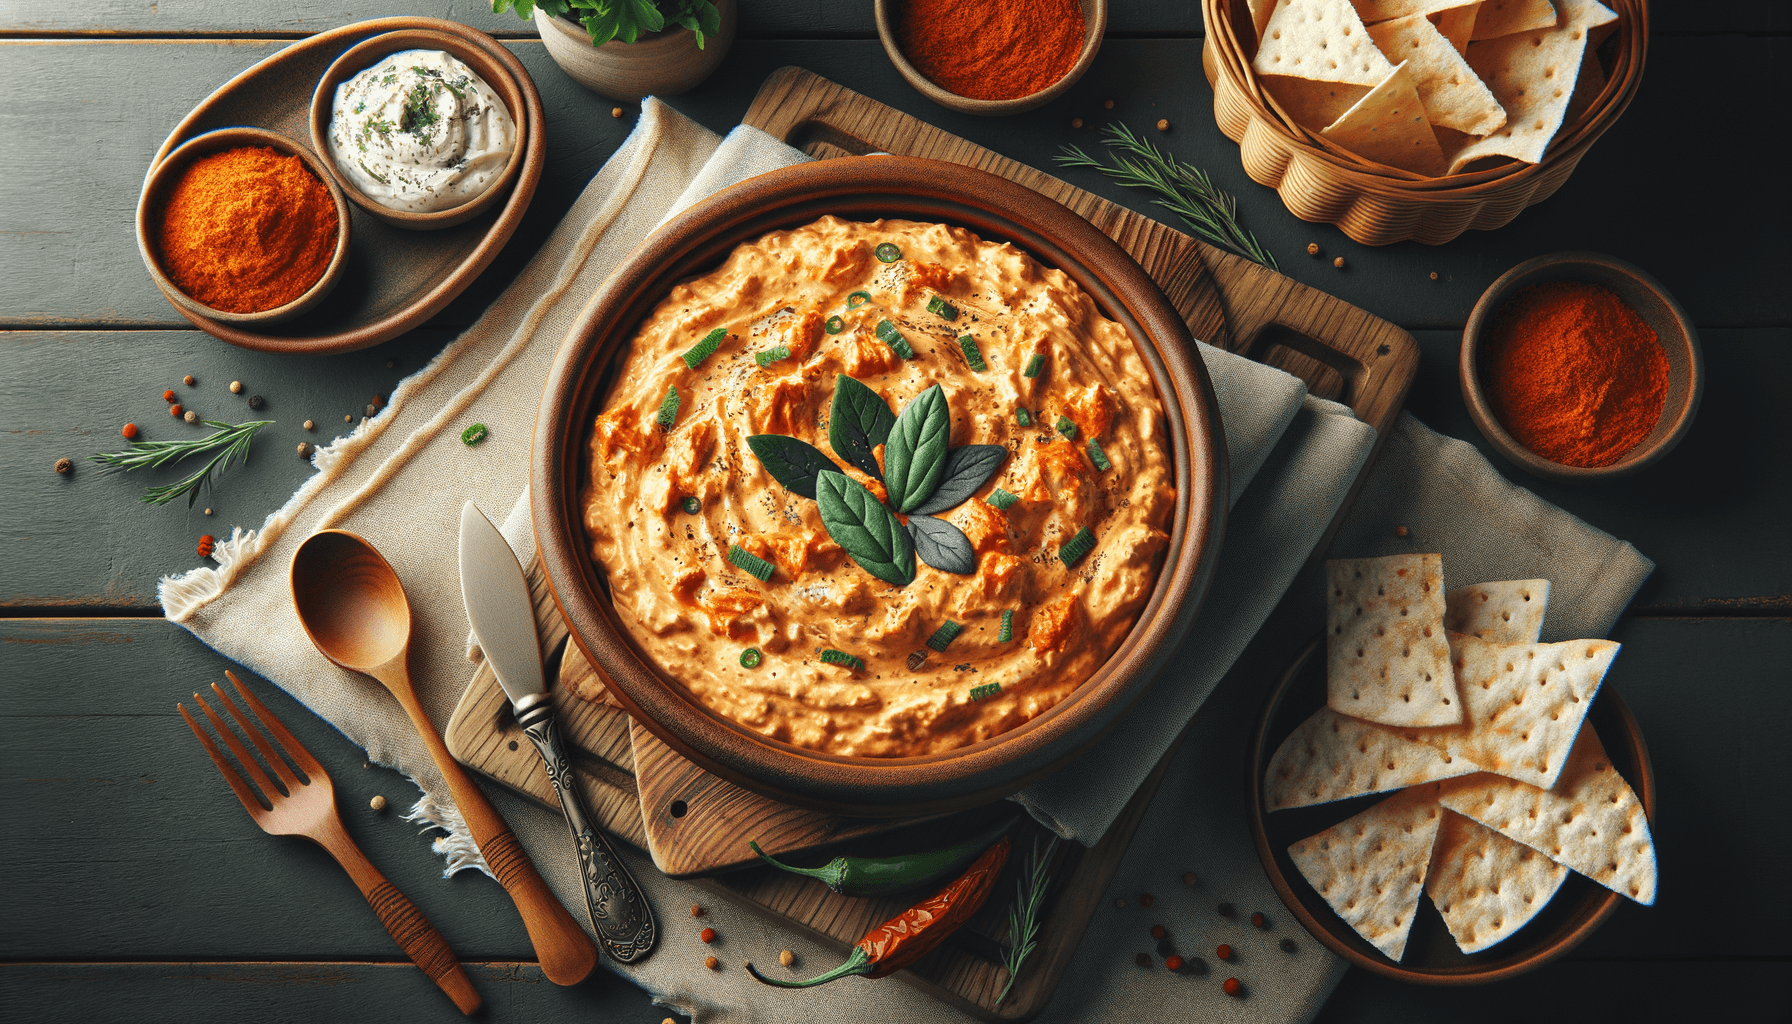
353,608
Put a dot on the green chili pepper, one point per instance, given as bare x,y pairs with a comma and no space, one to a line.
881,876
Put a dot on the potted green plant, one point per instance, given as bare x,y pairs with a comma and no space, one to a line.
627,49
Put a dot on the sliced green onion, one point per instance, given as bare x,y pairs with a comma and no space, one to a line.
753,564
694,356
943,636
1002,499
668,409
693,506
1007,632
1023,417
857,299
768,356
972,354
887,253
889,335
474,434
1064,426
1035,364
942,308
1078,546
986,691
750,658
834,325
1099,457
833,657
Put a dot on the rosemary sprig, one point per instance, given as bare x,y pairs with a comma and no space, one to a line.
231,443
1183,189
1023,917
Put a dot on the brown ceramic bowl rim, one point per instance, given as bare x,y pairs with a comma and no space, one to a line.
865,188
357,58
163,175
1630,740
1093,30
1533,271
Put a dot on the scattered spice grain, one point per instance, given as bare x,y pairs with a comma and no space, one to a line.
175,410
696,911
205,545
786,957
1223,951
129,431
1401,531
348,417
1232,986
1434,275
1157,931
1259,921
310,425
1188,878
208,511
65,465
1173,962
991,49
1109,104
1120,903
391,364
711,962
168,395
1288,946
1312,248
707,935
191,416
615,111
1163,124
1225,910
378,802
1338,262
304,449
236,387
1144,959
256,401
188,380
1076,122
1146,899
372,410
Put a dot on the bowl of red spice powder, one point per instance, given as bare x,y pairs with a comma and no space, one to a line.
243,225
991,57
1578,366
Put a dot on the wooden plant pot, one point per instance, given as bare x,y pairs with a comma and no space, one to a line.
661,64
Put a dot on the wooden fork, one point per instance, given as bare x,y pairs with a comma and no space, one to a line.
307,807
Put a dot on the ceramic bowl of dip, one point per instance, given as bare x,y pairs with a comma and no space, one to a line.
1095,23
369,52
1643,294
866,189
165,175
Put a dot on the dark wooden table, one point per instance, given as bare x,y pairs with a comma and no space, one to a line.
137,890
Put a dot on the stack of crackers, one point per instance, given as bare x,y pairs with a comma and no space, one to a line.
1433,87
1451,699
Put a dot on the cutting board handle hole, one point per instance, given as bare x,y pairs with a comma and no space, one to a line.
679,808
1328,372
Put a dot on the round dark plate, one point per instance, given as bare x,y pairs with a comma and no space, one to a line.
1579,906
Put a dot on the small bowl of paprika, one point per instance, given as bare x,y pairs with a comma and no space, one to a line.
243,225
1577,367
991,57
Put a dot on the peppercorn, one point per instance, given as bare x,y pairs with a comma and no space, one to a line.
1173,962
348,417
304,449
1223,951
205,546
696,911
707,935
168,395
191,416
1076,122
1145,899
1144,959
129,431
711,962
1109,104
615,111
208,511
1400,531
1338,262
378,802
786,957
1157,931
1312,248
1231,986
1288,946
188,380
1163,124
65,465
236,387
1225,909
1188,878
310,425
1259,921
176,411
255,401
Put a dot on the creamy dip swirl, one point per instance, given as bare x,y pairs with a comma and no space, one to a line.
694,612
420,131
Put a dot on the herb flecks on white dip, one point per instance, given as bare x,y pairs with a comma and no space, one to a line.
924,554
420,131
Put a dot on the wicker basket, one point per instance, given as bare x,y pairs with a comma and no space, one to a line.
1378,205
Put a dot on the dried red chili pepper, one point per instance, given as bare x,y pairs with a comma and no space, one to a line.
908,936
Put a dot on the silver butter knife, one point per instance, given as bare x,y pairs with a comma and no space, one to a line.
497,597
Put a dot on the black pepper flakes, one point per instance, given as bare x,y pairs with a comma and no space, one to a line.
1226,910
256,401
1289,946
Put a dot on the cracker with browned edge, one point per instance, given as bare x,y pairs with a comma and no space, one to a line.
1504,17
1485,885
1371,868
1334,757
1322,40
1453,95
1524,703
1533,75
1260,12
1591,820
1389,126
1503,612
1372,11
1312,105
1458,25
1387,659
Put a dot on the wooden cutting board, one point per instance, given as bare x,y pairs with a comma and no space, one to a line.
695,825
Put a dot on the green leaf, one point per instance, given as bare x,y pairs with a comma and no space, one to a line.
1074,549
869,532
858,421
942,545
648,16
791,462
967,467
708,16
696,354
758,567
915,456
600,26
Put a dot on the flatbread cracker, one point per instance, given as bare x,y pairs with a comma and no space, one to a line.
1312,105
1387,659
1458,25
1334,757
1524,704
1389,126
1260,12
1371,868
1591,820
1533,75
1506,612
1504,17
1453,95
1372,11
1485,885
1322,40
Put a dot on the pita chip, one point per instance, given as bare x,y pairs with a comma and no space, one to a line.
1504,17
1322,40
1485,885
1507,612
1334,757
1453,95
1371,868
1457,25
1532,75
1389,126
1372,11
1524,704
1590,820
1387,659
1312,104
1260,12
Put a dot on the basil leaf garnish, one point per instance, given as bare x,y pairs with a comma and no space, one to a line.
869,532
791,462
915,456
966,469
942,545
858,422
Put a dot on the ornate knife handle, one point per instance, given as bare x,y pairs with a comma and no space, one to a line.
618,909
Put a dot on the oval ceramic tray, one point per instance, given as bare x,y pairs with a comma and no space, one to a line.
395,279
1576,910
